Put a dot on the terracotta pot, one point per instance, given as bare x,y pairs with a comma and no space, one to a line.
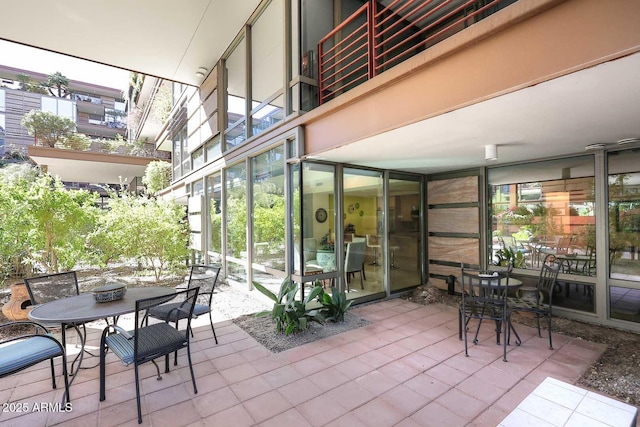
16,308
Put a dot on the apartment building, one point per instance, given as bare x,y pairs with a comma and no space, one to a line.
99,112
435,132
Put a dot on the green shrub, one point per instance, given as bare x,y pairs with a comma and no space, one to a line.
334,306
289,314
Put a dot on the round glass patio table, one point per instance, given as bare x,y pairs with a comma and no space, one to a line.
76,310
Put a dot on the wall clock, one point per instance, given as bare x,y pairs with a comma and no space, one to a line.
321,215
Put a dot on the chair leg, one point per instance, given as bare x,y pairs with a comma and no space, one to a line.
550,343
65,375
193,377
212,328
361,282
103,351
53,374
135,368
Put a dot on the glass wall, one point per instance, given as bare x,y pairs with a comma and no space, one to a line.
236,222
624,234
267,174
364,222
235,72
318,218
404,232
214,200
180,154
267,68
547,208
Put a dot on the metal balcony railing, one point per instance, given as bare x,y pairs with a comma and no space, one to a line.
377,37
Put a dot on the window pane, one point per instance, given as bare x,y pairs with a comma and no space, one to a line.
318,232
545,208
267,56
236,216
236,88
215,216
624,215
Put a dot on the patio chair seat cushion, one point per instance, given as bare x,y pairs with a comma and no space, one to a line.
165,312
159,339
23,353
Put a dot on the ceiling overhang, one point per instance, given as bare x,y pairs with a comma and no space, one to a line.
164,38
87,167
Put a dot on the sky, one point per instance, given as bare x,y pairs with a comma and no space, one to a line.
42,61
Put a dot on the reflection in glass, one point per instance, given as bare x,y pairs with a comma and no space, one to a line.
624,215
235,67
318,233
547,208
624,303
267,68
269,209
364,222
214,198
404,233
236,226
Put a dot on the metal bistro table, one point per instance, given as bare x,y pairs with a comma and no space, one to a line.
83,308
513,284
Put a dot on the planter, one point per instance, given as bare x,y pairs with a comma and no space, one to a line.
18,306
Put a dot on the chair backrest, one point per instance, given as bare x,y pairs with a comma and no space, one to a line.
485,286
547,280
204,277
188,299
372,240
354,257
51,287
564,244
309,248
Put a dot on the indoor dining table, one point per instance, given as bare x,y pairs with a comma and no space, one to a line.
79,309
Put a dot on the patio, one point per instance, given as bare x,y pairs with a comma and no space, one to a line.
407,368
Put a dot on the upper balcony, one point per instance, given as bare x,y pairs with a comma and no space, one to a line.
382,34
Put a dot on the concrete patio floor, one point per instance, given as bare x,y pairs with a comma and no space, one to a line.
407,368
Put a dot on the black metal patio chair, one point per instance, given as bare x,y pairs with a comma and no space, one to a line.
484,297
542,304
202,276
147,343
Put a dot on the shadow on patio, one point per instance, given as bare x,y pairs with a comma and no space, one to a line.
407,368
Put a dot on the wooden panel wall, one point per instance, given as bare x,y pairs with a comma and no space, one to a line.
453,226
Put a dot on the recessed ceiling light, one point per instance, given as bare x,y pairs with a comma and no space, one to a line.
628,141
202,71
598,146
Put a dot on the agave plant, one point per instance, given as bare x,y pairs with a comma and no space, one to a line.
289,314
334,306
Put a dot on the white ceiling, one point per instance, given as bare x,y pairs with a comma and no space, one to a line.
164,38
171,39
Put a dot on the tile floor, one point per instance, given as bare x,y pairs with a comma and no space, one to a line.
407,368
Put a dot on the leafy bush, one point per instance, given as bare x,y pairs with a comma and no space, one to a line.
157,176
334,306
289,314
508,256
153,231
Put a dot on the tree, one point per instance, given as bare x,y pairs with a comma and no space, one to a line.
48,128
58,85
27,85
157,176
60,221
41,222
153,231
